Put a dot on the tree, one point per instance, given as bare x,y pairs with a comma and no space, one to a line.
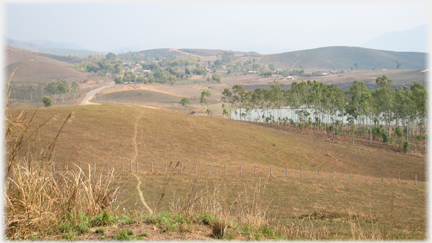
216,77
47,101
75,89
203,99
356,66
227,97
110,56
398,65
184,102
271,66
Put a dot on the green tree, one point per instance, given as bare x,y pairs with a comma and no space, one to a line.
203,99
271,66
184,102
110,56
47,101
227,97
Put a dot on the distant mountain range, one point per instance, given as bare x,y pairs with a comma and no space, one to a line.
413,40
48,47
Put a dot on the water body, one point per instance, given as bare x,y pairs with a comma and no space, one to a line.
258,115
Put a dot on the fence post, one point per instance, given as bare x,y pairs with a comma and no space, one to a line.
195,168
271,171
334,174
350,175
241,171
399,178
225,169
382,176
254,169
130,166
181,168
366,175
301,172
416,178
209,169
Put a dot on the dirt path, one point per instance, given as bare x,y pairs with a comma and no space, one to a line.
133,160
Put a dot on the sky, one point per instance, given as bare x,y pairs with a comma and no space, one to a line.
265,27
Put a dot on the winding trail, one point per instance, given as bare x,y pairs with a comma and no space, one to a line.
133,160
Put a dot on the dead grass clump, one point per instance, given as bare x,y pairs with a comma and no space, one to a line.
38,201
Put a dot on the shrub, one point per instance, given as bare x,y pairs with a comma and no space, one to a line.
384,136
124,234
406,146
47,101
398,132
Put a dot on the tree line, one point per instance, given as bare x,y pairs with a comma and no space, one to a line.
373,114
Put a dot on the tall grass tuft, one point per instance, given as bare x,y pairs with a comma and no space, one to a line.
39,201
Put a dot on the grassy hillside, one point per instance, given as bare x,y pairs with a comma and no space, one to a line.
34,68
118,134
104,134
343,57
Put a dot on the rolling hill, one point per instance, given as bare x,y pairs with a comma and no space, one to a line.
36,67
343,57
180,52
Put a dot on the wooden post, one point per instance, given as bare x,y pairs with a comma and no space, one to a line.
254,169
196,169
241,171
271,171
334,174
399,178
366,175
350,175
225,169
416,178
181,168
382,176
130,165
209,169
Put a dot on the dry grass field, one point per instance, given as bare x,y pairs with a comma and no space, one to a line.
121,136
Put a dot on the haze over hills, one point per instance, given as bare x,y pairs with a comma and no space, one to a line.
344,57
48,47
413,40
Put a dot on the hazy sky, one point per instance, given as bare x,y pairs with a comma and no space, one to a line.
265,27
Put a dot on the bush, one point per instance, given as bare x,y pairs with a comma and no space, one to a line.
398,132
384,136
406,146
47,101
